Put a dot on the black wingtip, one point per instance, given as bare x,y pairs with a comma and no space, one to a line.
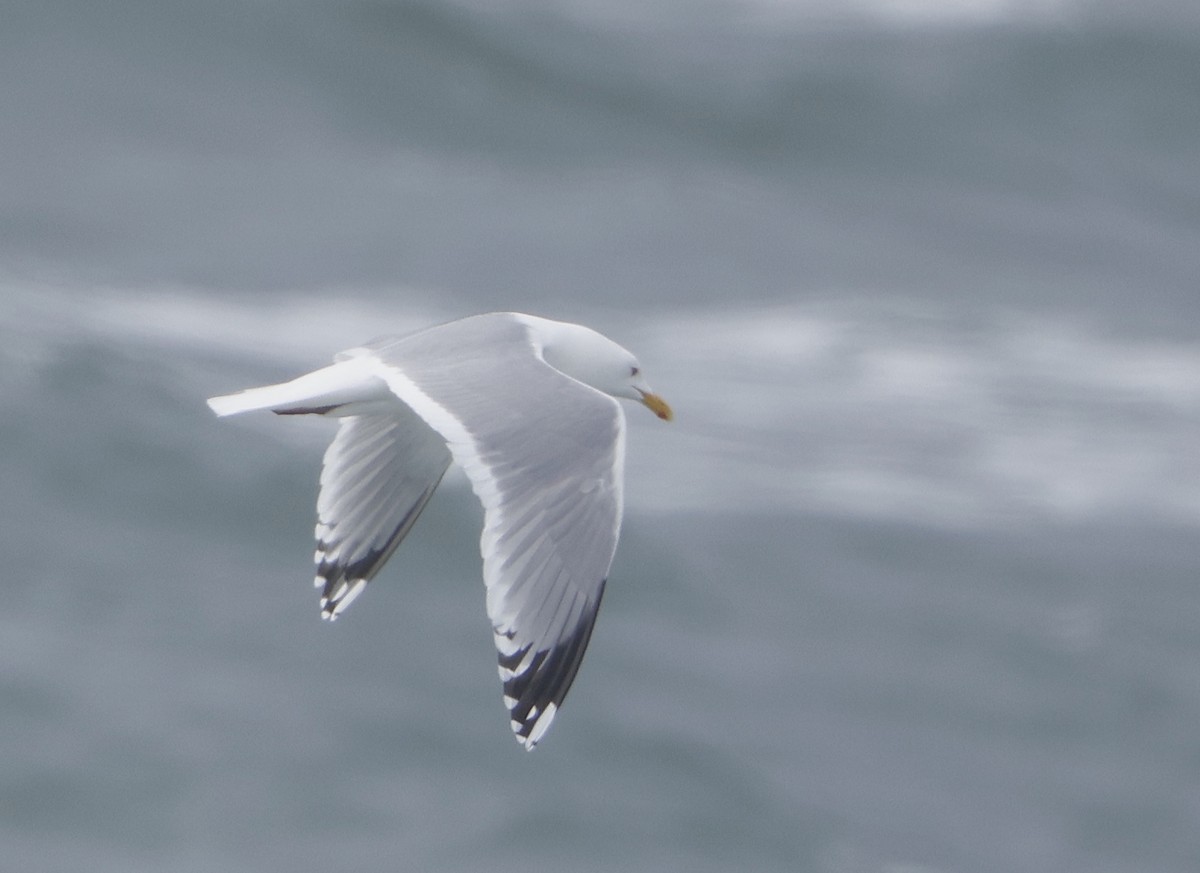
544,683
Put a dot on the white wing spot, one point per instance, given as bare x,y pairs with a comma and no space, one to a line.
541,725
345,595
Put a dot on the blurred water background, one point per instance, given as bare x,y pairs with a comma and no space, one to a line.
911,584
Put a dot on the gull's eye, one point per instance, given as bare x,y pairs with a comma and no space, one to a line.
633,371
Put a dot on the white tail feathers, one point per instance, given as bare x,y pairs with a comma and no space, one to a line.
250,400
346,382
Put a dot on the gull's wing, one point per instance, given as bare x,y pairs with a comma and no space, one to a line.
545,455
378,473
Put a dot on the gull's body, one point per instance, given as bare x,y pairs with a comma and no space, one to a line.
526,407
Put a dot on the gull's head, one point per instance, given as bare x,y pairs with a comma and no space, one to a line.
629,382
595,360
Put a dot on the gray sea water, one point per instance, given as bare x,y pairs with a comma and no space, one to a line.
909,586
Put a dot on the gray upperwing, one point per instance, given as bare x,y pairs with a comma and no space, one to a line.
545,571
545,454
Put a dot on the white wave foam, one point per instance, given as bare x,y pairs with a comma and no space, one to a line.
282,329
846,407
709,14
958,12
626,13
917,416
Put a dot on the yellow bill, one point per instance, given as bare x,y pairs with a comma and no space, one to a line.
657,405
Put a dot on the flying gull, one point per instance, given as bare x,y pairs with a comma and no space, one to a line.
526,407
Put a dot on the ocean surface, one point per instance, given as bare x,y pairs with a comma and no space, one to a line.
912,583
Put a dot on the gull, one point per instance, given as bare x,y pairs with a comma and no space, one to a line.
527,407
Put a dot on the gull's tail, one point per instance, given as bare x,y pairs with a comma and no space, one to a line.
320,392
